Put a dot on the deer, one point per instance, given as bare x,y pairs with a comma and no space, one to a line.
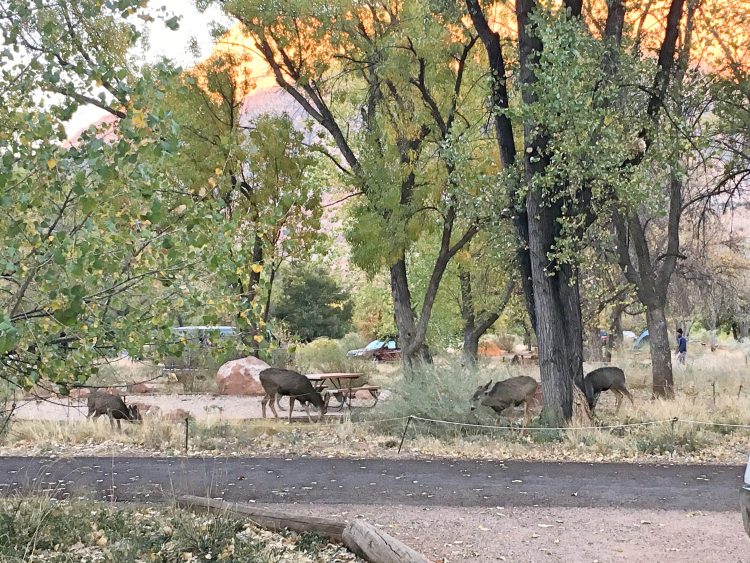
508,393
608,378
114,407
278,382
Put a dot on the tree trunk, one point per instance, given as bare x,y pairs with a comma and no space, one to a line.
473,328
559,349
593,344
252,291
661,354
413,353
744,328
615,327
471,347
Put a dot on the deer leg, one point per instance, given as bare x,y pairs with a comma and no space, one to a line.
263,404
273,409
527,410
307,410
628,395
618,400
291,407
111,420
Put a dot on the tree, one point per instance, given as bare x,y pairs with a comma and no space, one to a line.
263,170
608,97
314,305
96,250
387,82
487,283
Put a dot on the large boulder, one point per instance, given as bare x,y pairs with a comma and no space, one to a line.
241,377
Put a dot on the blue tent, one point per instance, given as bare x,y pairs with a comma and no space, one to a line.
641,340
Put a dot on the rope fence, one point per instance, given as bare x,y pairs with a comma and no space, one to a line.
672,421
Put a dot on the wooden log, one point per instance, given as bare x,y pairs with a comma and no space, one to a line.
378,547
271,519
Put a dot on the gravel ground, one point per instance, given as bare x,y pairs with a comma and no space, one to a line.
535,534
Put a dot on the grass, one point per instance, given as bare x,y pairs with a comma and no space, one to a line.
442,392
39,528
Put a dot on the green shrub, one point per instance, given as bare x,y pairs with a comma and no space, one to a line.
442,392
326,356
313,304
352,341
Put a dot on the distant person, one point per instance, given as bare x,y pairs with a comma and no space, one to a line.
681,347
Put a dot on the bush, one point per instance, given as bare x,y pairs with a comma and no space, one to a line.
327,356
314,305
442,392
96,531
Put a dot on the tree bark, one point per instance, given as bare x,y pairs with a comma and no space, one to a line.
593,344
413,353
615,327
473,328
661,354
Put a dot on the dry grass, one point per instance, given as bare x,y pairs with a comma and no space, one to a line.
39,528
446,398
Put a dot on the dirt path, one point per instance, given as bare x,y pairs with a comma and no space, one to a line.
463,483
556,535
450,510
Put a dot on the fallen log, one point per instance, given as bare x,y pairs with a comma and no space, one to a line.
275,520
375,545
362,538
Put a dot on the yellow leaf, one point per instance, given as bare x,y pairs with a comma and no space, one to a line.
257,268
218,171
212,181
51,163
258,338
138,120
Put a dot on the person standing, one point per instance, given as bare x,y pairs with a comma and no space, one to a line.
681,347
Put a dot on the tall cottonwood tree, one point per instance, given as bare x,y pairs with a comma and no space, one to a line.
388,83
555,201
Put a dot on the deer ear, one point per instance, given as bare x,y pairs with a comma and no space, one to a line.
488,384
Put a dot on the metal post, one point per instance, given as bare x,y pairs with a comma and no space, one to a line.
739,391
673,421
187,432
713,391
408,421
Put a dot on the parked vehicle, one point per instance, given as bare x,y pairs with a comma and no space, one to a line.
745,499
383,350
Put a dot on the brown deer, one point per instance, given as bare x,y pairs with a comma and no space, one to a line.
608,378
278,382
114,407
508,393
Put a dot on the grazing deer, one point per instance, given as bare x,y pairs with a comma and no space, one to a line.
508,393
608,378
277,381
114,407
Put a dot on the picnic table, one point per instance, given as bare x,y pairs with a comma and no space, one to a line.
341,384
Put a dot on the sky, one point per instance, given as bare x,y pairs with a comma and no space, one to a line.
163,42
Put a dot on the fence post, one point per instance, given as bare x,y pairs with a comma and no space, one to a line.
672,422
187,432
739,391
408,421
713,391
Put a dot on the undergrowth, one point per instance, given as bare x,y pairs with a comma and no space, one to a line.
39,528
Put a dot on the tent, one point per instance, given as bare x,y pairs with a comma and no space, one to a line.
642,339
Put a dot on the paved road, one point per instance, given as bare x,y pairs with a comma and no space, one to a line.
370,481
